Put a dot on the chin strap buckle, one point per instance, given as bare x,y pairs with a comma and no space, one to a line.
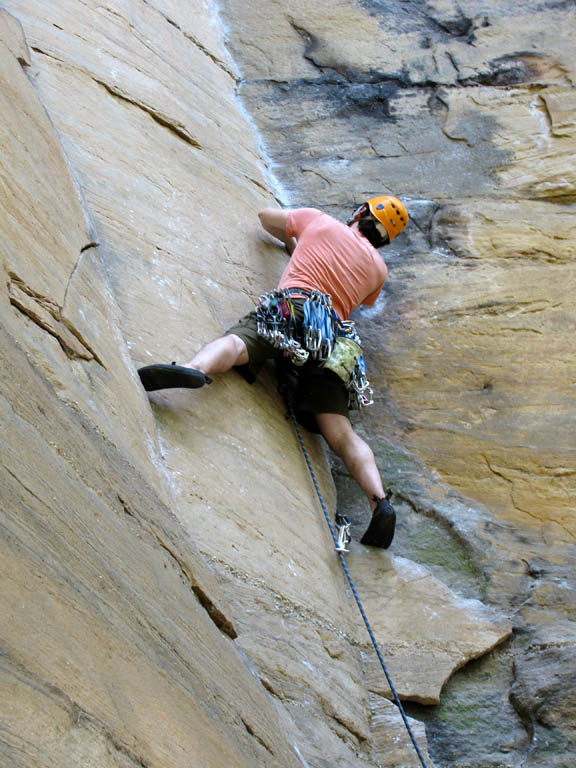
343,528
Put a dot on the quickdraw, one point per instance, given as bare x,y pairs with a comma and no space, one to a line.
319,325
342,525
276,323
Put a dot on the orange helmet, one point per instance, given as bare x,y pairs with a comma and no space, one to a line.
390,212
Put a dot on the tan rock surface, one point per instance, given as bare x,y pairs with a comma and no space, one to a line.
427,632
392,743
447,44
455,106
115,635
535,133
504,440
256,526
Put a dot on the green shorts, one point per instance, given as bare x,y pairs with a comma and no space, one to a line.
315,389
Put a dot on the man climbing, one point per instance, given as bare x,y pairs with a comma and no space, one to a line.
304,326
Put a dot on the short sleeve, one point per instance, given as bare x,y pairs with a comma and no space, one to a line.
299,219
370,300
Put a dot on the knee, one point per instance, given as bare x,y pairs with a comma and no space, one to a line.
232,341
336,430
238,348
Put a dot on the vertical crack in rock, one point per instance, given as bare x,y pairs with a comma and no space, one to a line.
48,316
453,60
194,40
219,619
543,108
521,707
83,250
256,736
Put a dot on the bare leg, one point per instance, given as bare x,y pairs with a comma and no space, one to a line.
220,355
354,452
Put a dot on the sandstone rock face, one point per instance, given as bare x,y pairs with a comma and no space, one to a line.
418,619
467,111
172,595
113,627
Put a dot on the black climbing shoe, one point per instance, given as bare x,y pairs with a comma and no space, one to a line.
170,376
380,532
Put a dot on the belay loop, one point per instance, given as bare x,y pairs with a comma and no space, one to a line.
321,337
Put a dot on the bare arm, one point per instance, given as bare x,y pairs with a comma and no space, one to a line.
274,222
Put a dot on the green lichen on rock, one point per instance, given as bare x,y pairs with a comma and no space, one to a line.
461,728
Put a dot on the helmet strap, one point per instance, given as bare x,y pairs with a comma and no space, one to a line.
359,213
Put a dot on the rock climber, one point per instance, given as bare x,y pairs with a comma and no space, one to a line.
303,325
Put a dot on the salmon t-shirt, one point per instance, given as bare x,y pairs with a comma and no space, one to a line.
332,258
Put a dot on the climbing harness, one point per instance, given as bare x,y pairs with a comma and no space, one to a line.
344,531
319,337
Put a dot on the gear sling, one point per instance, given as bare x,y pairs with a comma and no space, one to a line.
320,336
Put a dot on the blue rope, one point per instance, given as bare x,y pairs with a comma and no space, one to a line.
353,588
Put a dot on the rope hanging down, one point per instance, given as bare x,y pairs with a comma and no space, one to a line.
352,585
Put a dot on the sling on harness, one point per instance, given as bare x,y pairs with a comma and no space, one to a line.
320,337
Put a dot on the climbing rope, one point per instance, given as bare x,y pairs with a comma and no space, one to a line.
397,701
